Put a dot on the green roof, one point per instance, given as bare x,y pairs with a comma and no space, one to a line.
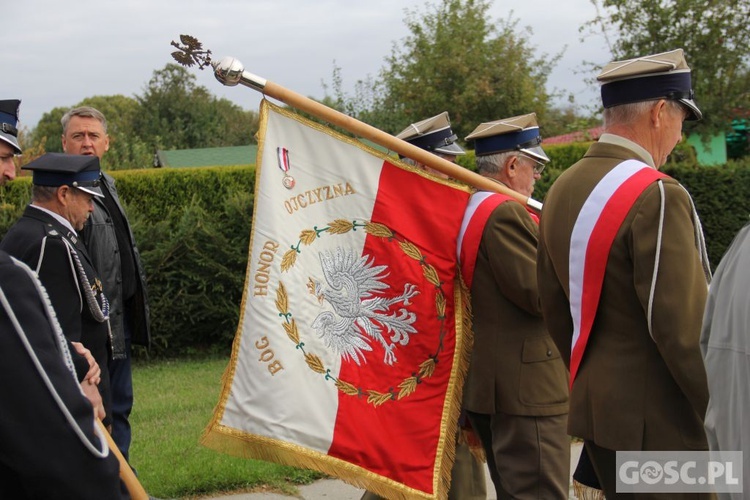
208,157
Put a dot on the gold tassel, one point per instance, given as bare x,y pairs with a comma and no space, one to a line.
583,492
470,438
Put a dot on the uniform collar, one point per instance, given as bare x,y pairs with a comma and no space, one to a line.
618,140
59,218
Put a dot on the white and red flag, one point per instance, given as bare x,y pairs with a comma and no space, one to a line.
352,345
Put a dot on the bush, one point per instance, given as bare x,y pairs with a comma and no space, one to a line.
193,230
192,227
722,200
195,261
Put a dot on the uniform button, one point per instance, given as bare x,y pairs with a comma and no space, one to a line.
549,352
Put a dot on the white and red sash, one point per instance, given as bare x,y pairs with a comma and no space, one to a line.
594,231
480,207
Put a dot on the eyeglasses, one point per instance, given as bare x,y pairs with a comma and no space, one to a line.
537,165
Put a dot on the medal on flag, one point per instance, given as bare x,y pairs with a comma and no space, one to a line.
284,165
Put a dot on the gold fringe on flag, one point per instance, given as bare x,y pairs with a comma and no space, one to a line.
241,444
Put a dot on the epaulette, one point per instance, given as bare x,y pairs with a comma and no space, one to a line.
52,232
55,233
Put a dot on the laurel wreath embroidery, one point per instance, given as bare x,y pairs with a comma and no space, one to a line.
426,369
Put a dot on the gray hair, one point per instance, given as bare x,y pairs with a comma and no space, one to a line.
83,112
43,193
625,114
493,164
415,163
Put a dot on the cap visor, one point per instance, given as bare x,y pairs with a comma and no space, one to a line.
10,140
537,152
694,114
95,191
450,149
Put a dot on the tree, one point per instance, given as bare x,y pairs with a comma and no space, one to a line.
176,113
567,119
715,35
457,60
48,132
173,113
126,150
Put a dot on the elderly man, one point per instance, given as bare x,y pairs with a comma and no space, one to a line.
50,446
434,135
516,392
629,331
46,239
111,245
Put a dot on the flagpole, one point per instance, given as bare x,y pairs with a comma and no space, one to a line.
230,72
127,475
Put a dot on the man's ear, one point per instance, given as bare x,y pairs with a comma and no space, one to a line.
63,194
511,166
657,112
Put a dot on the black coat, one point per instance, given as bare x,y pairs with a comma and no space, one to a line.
42,457
100,238
39,240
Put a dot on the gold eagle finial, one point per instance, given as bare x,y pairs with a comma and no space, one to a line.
191,52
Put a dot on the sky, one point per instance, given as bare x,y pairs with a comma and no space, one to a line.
58,53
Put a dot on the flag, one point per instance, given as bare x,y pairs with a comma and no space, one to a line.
352,343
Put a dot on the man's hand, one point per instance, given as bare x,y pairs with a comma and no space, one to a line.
94,375
91,391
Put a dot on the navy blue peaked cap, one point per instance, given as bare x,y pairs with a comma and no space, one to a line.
9,122
60,169
658,76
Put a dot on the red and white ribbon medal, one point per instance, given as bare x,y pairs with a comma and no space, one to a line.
284,165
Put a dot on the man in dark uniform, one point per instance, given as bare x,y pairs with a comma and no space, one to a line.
50,446
46,239
111,245
629,331
516,392
87,370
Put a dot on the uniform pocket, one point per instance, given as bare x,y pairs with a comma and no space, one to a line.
543,379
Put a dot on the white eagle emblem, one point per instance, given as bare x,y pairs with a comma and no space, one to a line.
352,285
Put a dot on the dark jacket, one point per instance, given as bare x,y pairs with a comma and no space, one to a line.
47,247
101,242
41,455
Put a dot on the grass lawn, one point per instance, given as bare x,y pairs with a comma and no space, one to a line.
174,401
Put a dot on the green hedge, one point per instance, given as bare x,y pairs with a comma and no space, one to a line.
721,193
193,230
722,199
